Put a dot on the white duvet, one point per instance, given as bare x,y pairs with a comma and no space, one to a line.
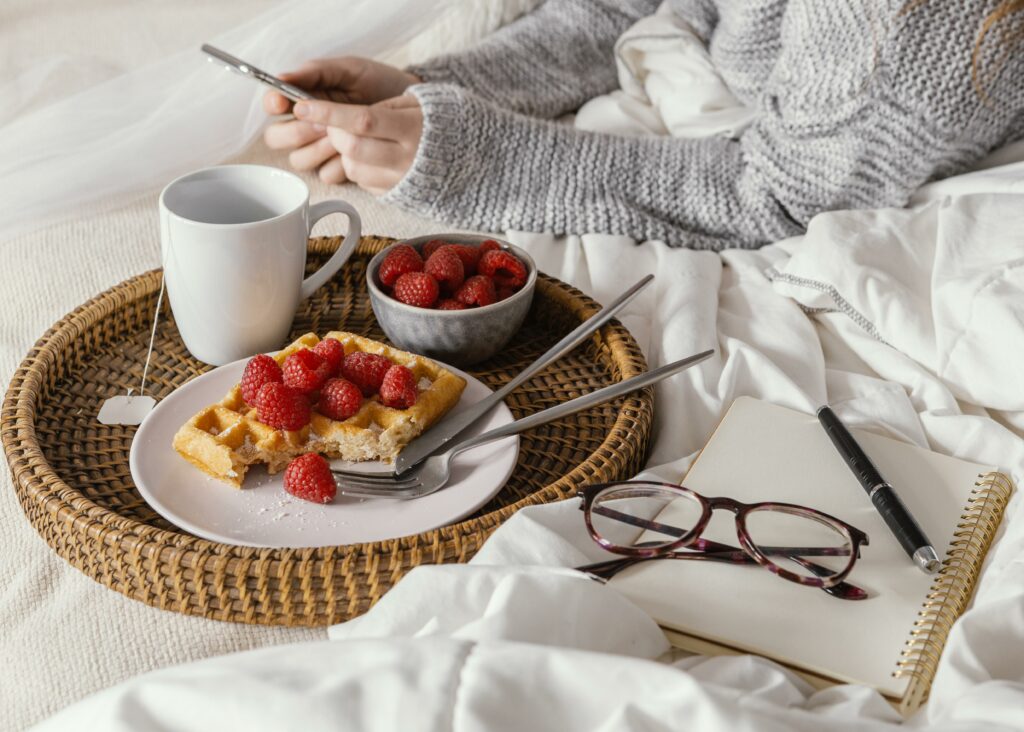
909,322
917,331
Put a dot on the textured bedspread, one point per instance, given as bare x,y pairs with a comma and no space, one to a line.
917,327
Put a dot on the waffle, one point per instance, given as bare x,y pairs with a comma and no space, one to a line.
225,438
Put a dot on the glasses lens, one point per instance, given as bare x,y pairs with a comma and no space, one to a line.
799,542
643,515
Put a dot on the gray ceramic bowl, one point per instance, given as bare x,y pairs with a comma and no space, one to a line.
457,337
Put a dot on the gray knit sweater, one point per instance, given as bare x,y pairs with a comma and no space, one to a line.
858,104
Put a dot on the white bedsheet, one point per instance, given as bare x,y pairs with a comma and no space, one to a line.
916,328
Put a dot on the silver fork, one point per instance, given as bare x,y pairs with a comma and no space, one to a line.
433,473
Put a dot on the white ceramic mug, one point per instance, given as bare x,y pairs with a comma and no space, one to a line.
234,250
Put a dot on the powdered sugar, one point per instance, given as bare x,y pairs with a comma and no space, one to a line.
247,449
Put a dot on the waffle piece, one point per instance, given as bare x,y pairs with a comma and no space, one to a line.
224,439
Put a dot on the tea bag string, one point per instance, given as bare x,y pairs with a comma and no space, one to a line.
156,316
152,336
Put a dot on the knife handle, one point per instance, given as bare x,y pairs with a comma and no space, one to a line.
453,426
573,339
584,402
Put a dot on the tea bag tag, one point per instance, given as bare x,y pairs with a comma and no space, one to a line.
126,409
130,409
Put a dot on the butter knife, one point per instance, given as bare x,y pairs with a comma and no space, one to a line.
436,438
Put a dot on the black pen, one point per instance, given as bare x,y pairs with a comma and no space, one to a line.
896,516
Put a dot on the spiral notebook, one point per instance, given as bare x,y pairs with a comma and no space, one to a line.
893,639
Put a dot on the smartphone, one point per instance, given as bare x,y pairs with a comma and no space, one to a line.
245,69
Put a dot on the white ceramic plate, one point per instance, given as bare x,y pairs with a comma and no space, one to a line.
262,514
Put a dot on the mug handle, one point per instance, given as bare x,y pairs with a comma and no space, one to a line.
316,212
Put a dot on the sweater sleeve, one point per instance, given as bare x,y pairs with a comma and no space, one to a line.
548,62
482,167
821,142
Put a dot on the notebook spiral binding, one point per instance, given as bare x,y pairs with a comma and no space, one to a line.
953,586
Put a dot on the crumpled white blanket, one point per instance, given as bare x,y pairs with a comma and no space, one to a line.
907,322
669,86
910,335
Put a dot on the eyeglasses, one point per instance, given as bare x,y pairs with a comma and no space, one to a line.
646,520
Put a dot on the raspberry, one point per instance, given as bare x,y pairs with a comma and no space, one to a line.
365,370
309,477
282,407
416,288
305,371
477,290
469,256
259,371
450,304
339,399
432,246
505,264
399,388
445,266
488,246
401,259
504,293
331,351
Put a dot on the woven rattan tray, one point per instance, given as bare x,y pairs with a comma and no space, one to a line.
72,478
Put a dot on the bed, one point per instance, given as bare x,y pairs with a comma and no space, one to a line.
492,644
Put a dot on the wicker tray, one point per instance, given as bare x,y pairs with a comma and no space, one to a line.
72,478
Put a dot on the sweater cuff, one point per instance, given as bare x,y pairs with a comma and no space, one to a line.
427,180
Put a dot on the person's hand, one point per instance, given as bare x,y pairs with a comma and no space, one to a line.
348,79
375,144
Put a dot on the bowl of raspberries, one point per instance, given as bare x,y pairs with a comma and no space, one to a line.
457,298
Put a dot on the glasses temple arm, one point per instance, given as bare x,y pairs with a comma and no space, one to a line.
604,571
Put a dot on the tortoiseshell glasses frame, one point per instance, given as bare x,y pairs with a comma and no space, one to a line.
690,538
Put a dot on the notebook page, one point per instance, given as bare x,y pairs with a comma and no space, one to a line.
761,452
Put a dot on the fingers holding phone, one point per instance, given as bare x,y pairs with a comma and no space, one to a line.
349,79
274,102
308,143
377,143
309,146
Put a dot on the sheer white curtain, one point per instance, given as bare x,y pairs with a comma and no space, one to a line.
134,132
